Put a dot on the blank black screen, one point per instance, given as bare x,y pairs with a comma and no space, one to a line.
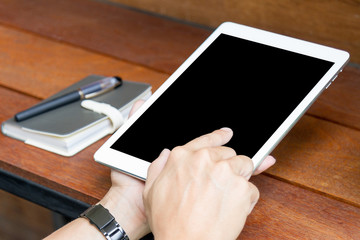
236,83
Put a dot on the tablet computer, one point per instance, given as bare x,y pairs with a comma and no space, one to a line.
256,82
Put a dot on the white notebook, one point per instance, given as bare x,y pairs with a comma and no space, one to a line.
71,128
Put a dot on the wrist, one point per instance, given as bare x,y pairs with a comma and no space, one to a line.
126,213
105,222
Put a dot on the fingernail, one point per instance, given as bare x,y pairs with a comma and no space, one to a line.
226,129
273,160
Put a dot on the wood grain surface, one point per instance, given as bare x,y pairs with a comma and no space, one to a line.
340,103
322,156
311,193
92,25
31,61
334,23
288,212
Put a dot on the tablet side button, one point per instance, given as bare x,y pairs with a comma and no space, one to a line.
334,78
328,85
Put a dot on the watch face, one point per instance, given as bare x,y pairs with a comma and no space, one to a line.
99,216
105,222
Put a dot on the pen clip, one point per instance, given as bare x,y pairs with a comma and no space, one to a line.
95,94
105,85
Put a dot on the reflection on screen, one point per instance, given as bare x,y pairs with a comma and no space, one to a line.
235,83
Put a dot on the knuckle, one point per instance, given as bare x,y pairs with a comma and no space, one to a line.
248,189
243,186
246,158
242,183
178,151
202,157
233,152
223,167
248,165
176,154
203,153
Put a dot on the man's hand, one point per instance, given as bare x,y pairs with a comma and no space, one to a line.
200,190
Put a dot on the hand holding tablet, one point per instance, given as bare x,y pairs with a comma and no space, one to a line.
237,78
129,191
202,184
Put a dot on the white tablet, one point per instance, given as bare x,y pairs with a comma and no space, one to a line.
256,82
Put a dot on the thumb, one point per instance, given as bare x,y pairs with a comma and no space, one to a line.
136,106
157,166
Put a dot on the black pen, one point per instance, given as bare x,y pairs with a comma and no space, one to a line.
91,90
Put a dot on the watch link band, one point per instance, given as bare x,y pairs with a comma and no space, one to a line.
105,222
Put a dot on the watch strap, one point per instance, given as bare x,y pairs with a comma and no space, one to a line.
105,222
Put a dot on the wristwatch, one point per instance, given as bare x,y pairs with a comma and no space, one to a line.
105,222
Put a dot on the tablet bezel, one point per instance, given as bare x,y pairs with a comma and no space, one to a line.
138,168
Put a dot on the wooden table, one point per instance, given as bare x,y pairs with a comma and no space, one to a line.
313,192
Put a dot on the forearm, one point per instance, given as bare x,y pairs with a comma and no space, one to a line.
80,228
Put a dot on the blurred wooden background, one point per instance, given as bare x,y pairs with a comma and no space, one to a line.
334,22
